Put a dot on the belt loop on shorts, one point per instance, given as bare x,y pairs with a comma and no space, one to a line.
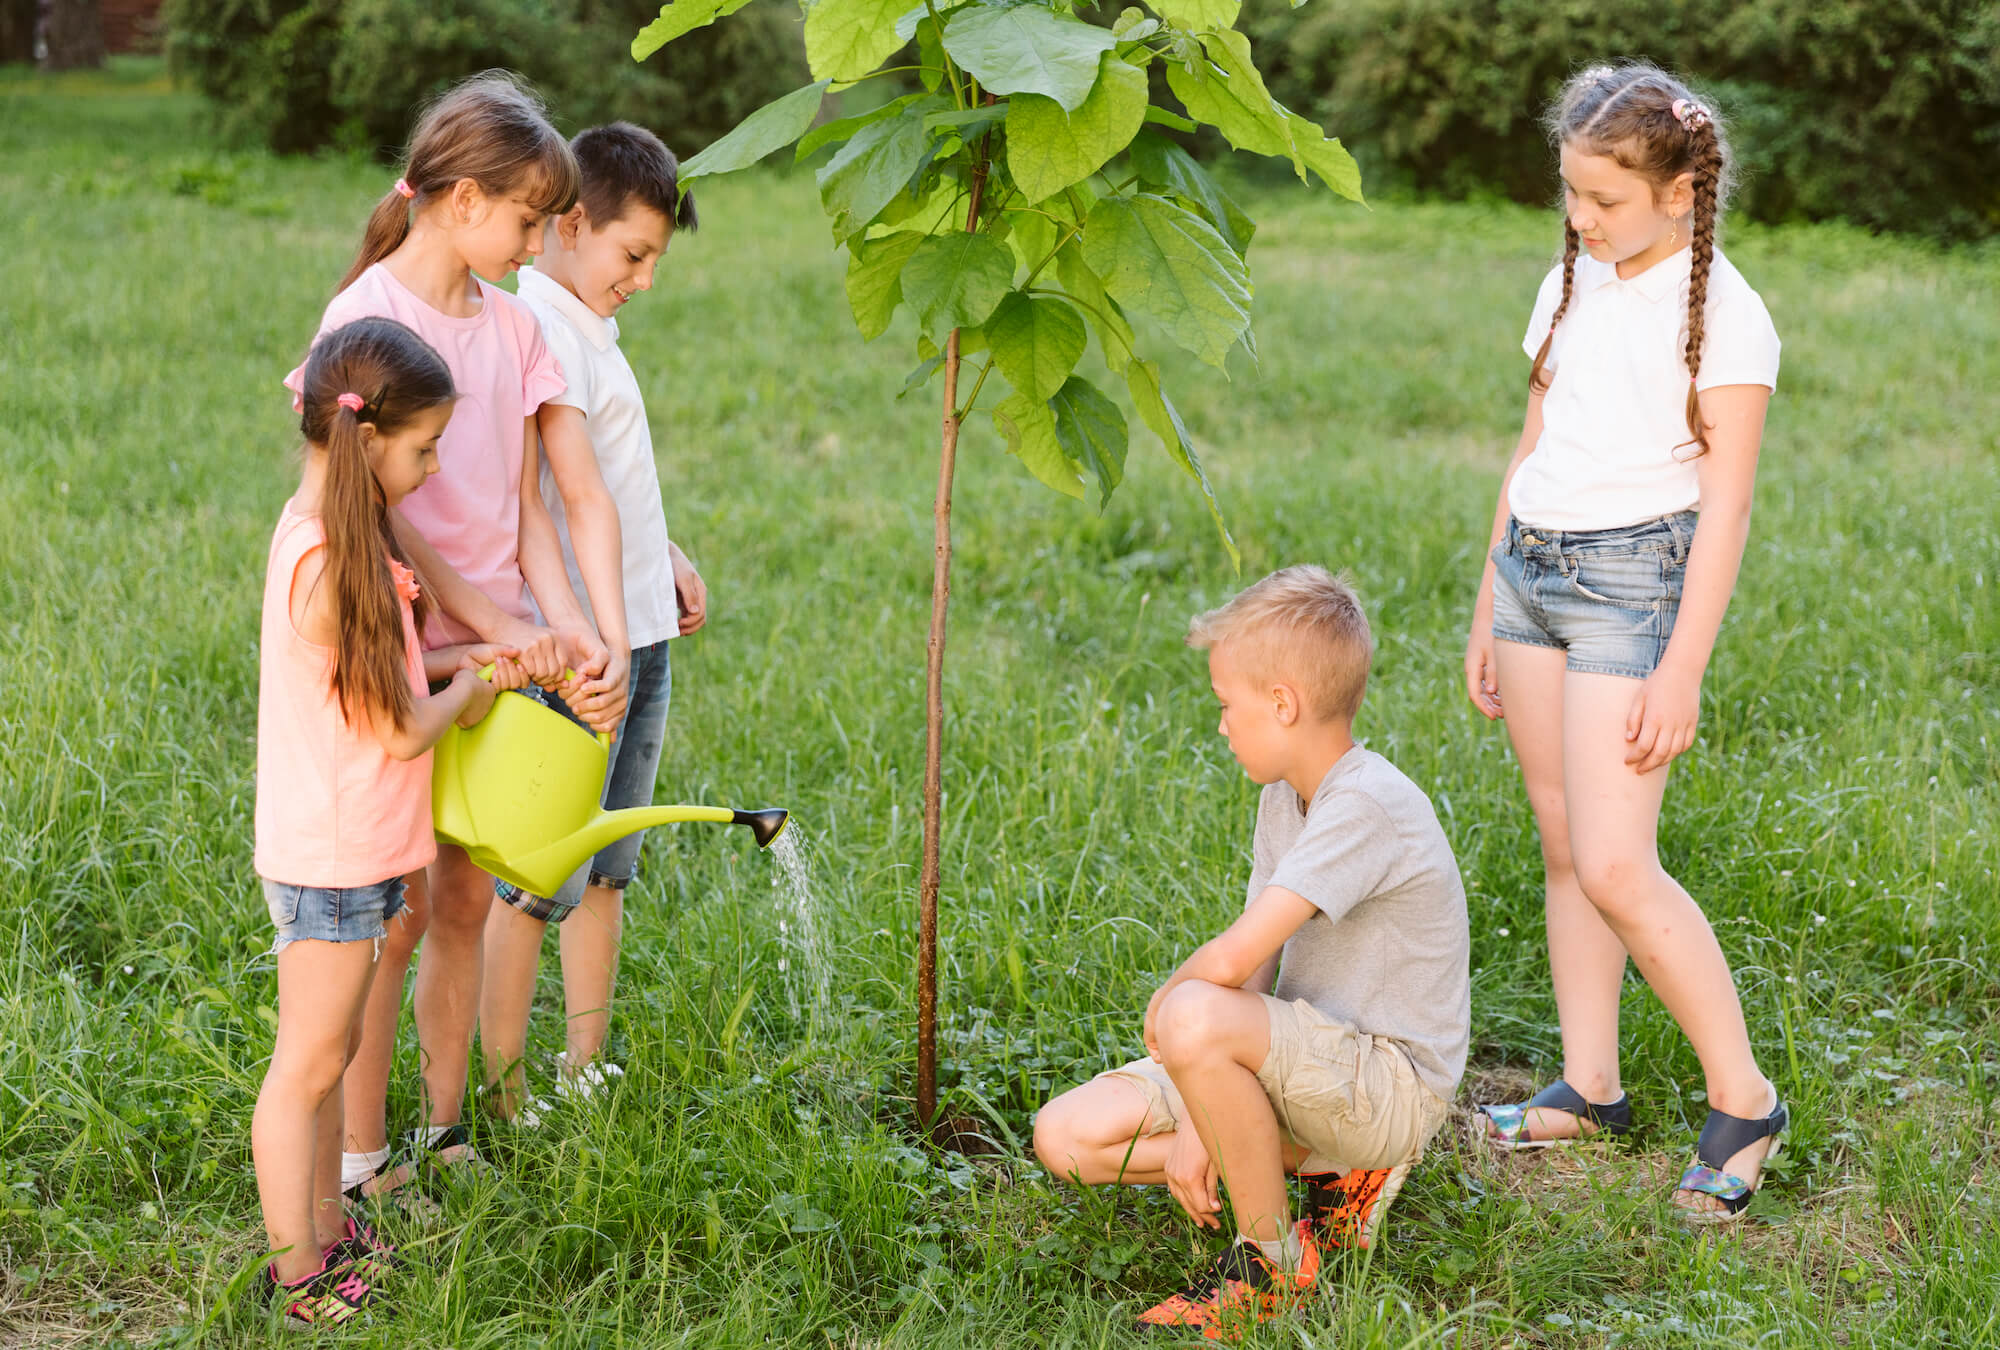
1683,538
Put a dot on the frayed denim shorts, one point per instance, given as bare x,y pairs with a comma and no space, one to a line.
332,913
628,781
1608,598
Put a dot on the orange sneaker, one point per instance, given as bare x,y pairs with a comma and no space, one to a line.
1346,1210
1239,1289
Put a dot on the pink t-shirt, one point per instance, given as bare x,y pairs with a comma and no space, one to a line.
333,807
470,510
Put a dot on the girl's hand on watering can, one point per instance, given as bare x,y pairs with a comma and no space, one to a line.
479,696
536,649
508,673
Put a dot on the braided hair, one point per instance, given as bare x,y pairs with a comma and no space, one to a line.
1648,122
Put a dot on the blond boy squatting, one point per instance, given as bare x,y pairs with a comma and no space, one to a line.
1324,1031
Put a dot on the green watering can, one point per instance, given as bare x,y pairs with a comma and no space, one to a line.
520,794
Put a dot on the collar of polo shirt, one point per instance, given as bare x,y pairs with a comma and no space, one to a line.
601,331
1661,281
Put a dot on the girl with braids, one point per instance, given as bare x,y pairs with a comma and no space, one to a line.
485,171
344,731
1615,546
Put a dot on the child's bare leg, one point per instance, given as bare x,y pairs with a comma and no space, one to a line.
329,1214
450,970
1614,814
1586,959
321,988
1213,1040
1091,1135
589,939
513,955
365,1089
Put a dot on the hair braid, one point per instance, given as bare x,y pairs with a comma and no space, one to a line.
1538,378
1707,178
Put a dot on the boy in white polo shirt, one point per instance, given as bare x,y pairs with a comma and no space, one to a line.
600,254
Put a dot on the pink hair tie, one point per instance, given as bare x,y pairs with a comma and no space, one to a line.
351,402
403,188
1691,115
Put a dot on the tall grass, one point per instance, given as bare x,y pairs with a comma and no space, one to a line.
751,1181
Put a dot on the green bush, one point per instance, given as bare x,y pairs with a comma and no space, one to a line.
303,74
1884,113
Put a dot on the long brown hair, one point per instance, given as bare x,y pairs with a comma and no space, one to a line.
395,375
1628,113
490,128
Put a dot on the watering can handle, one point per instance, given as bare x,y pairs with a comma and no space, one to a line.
485,672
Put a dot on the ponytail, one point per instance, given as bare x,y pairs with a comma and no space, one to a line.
368,669
490,128
373,371
388,227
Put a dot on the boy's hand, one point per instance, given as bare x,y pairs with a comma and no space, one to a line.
601,702
689,589
479,696
1193,1178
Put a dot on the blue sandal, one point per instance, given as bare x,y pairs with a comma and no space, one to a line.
1612,1118
1723,1136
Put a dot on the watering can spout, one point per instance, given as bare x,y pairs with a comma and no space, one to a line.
766,824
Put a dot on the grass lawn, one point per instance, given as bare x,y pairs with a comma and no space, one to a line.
751,1182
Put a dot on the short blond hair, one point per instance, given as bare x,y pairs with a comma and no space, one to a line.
1302,625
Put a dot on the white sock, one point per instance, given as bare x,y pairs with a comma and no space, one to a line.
1285,1253
428,1135
356,1168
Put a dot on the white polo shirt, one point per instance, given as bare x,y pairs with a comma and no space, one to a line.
1614,420
603,388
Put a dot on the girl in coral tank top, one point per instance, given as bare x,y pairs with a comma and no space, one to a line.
345,726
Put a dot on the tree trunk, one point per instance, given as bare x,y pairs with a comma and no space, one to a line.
927,884
17,31
75,36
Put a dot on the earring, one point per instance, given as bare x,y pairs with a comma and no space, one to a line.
1674,234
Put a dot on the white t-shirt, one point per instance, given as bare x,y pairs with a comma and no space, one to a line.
1614,445
603,388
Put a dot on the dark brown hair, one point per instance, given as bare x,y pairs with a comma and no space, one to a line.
396,375
490,128
619,164
1628,113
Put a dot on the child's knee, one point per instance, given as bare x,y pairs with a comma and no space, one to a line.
309,1077
1189,1020
1617,885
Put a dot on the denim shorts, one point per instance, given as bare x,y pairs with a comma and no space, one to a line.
332,913
1606,597
628,781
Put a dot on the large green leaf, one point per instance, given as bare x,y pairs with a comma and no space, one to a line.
681,17
954,280
1314,149
875,280
1030,430
1165,166
1037,342
847,39
872,168
1198,14
1230,95
1048,148
1114,332
1157,411
840,128
1160,258
1027,49
1092,433
777,123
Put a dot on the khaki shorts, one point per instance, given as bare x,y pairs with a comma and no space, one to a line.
1351,1099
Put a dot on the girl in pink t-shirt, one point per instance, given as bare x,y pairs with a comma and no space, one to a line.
485,170
345,725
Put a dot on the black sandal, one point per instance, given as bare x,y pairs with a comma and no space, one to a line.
452,1136
1612,1118
1723,1136
407,1199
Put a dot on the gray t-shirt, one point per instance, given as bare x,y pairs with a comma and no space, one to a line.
1389,949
